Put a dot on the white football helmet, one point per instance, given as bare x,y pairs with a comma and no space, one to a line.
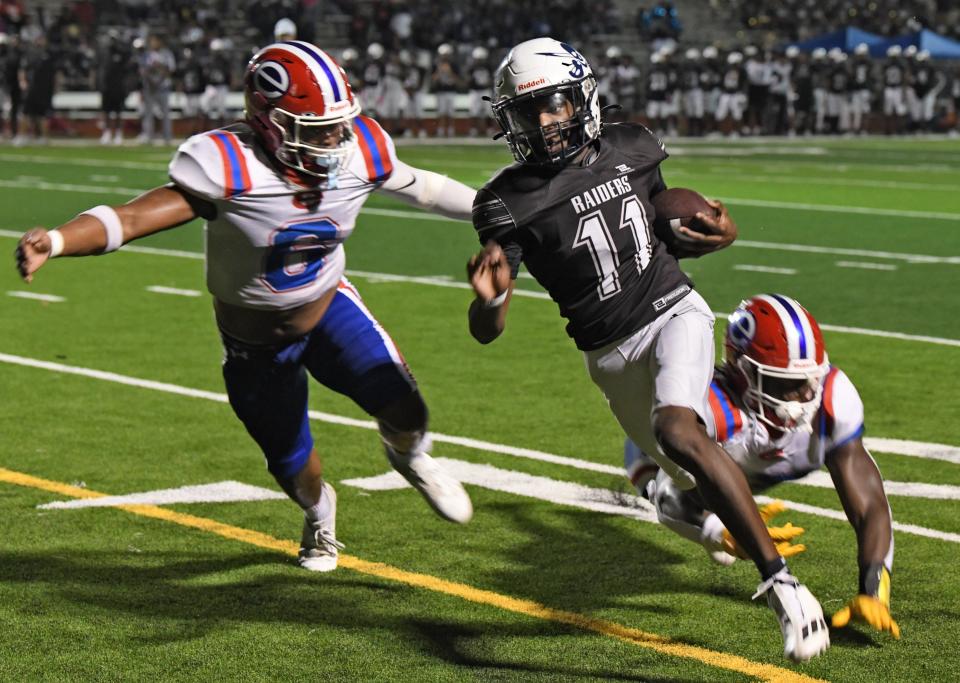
544,75
894,51
819,53
861,50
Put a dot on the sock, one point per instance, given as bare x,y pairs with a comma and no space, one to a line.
768,569
321,510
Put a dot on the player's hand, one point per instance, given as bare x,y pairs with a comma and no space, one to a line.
782,536
870,610
32,251
709,233
489,272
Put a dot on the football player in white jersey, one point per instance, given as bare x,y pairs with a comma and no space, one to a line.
281,192
781,411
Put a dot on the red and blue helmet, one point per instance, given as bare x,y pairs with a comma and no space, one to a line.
772,340
299,103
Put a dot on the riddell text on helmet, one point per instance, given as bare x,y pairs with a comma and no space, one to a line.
531,84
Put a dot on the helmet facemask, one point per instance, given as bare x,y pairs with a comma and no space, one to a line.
313,145
786,399
531,142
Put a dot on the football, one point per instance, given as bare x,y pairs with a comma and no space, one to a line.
675,207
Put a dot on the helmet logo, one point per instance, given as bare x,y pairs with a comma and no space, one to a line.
271,80
579,63
741,328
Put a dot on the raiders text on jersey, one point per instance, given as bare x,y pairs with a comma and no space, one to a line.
584,232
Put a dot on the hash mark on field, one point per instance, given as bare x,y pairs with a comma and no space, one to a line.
219,492
159,289
765,269
20,294
866,266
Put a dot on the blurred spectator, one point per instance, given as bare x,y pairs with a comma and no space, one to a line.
445,83
216,66
40,75
11,61
480,77
156,70
115,65
192,82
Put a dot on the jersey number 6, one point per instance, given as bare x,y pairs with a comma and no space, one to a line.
296,254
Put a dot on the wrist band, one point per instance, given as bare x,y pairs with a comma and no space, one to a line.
111,223
56,243
497,301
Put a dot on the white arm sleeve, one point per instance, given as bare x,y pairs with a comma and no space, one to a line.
430,191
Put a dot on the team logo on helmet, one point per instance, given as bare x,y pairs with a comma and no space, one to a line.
578,63
741,328
271,80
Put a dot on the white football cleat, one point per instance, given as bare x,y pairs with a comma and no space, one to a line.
319,547
442,492
804,629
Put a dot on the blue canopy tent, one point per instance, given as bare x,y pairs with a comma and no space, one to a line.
846,39
938,46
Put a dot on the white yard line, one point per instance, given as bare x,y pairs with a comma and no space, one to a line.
53,298
780,179
866,265
833,208
570,492
65,187
840,516
159,289
826,208
105,164
918,449
533,294
840,251
911,489
765,269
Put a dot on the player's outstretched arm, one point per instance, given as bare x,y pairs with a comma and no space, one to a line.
860,487
104,229
709,234
489,275
430,191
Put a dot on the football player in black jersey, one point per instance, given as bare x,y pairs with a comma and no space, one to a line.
577,211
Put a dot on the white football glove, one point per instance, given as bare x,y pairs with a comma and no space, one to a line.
802,625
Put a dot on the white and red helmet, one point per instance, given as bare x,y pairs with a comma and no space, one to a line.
771,339
299,103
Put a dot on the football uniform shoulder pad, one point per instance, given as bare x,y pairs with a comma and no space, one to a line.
215,164
376,149
841,412
634,141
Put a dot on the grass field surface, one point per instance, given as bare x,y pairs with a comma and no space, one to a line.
110,384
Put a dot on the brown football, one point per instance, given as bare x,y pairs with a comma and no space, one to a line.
675,207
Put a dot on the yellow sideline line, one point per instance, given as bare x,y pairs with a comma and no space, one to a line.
650,641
